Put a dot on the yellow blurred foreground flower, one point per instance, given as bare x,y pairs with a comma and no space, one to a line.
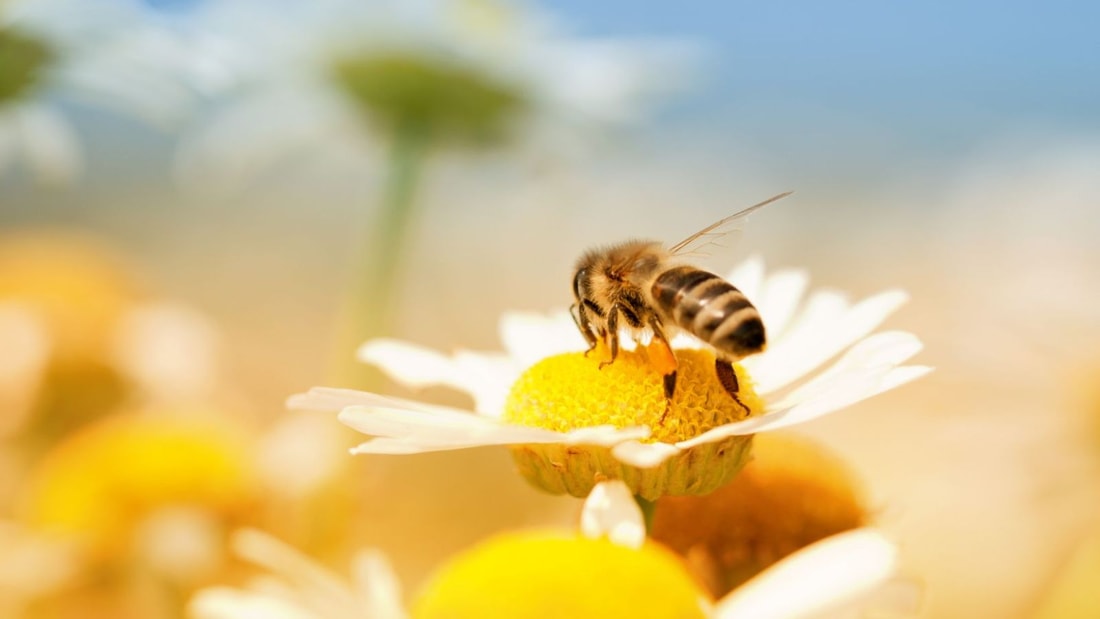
80,337
62,299
571,424
608,570
116,484
792,493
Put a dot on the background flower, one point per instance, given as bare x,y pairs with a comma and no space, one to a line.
53,54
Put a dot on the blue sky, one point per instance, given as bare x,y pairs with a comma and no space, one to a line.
950,71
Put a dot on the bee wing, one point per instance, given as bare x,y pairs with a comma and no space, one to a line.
715,229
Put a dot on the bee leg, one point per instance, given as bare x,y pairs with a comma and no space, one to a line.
662,359
728,377
612,335
580,317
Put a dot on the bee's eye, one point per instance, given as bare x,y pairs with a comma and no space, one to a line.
578,281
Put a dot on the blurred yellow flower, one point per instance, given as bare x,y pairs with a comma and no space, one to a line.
551,574
82,337
792,493
62,299
99,484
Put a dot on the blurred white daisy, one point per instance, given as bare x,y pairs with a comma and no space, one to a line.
296,587
344,76
546,400
58,52
830,578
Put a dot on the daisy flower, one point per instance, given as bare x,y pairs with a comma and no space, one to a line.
82,336
609,570
157,486
57,50
340,76
571,423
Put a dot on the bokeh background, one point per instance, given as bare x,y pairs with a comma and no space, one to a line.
950,149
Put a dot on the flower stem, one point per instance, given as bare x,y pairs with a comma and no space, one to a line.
378,265
648,508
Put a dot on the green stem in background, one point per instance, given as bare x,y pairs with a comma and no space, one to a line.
648,508
379,260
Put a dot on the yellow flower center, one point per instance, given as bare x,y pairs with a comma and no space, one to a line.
101,482
545,574
571,391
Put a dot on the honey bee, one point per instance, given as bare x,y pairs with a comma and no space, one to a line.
643,285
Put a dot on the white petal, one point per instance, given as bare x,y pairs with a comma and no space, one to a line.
485,376
820,577
530,337
405,430
410,364
329,399
644,455
842,391
228,603
846,390
130,75
414,427
779,298
605,80
300,453
826,327
298,569
611,511
886,349
379,586
48,144
239,145
169,349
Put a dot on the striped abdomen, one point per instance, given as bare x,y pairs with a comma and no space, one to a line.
710,308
